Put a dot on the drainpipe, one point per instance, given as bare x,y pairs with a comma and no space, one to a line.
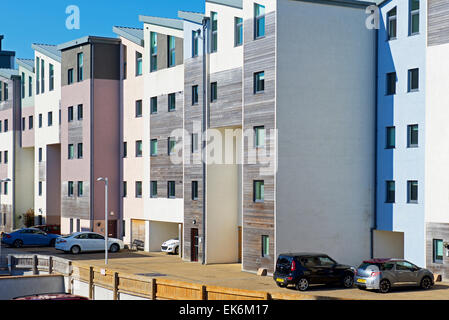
204,127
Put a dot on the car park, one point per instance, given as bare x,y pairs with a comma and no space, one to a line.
303,269
29,237
171,246
87,241
384,274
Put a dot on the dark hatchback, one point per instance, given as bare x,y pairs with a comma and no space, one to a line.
303,269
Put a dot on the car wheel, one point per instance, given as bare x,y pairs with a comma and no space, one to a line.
302,285
384,286
114,248
177,251
426,283
53,243
75,250
18,243
348,280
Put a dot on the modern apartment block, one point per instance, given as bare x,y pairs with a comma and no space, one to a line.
45,121
90,133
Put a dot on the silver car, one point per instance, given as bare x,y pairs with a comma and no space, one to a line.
383,274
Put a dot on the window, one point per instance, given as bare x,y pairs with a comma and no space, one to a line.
80,66
171,189
412,136
138,189
37,75
5,92
259,82
259,191
171,51
214,41
59,115
42,76
6,125
30,122
213,92
30,86
23,124
194,95
265,246
153,105
1,157
125,189
391,83
40,120
154,147
0,126
391,192
259,21
70,114
195,143
153,51
125,62
70,189
139,63
80,112
80,189
414,17
413,80
438,248
71,152
392,24
139,148
259,137
391,137
40,188
5,159
195,38
171,145
5,190
238,31
153,189
171,102
1,90
40,154
22,84
412,191
194,190
50,119
51,85
125,149
80,150
138,108
70,76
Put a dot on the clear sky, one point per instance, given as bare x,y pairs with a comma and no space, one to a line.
25,22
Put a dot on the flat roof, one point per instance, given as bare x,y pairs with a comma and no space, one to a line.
26,63
49,50
163,22
191,16
87,39
132,34
230,3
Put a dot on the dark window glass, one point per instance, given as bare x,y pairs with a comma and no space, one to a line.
391,192
391,83
213,92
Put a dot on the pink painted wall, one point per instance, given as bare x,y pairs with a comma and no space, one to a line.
28,135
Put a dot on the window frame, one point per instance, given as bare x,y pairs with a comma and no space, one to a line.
434,251
195,95
214,32
171,185
257,18
171,51
410,79
265,246
388,144
138,185
213,91
153,105
153,189
195,190
238,31
139,107
171,102
255,183
410,129
392,19
139,151
153,142
390,76
410,185
259,84
153,51
412,13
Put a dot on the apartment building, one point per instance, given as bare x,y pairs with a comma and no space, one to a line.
90,134
132,128
161,148
46,121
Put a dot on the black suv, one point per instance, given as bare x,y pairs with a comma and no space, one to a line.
303,269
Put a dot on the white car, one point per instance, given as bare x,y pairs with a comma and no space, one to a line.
171,246
87,241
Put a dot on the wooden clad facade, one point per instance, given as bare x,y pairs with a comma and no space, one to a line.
437,22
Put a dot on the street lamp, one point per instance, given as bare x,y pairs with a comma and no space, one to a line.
1,213
105,218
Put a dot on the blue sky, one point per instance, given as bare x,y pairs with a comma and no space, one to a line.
44,21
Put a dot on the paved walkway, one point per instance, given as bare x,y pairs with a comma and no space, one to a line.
161,265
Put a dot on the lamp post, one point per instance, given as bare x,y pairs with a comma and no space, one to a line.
3,222
105,218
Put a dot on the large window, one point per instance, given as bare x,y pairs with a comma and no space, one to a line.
391,83
153,51
413,80
391,192
171,51
392,24
171,189
139,148
214,40
259,137
139,63
259,82
259,21
238,31
391,137
412,136
412,191
153,105
195,39
259,191
171,102
80,67
414,17
153,189
153,147
52,78
438,251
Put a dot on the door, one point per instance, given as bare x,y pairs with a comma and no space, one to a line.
137,230
96,242
112,228
328,272
194,243
407,273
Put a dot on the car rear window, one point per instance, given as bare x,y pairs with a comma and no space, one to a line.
365,265
284,263
380,266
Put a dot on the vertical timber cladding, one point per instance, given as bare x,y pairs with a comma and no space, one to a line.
193,169
258,110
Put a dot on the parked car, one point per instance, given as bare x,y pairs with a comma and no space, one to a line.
303,269
87,241
383,274
53,296
52,229
171,246
29,237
